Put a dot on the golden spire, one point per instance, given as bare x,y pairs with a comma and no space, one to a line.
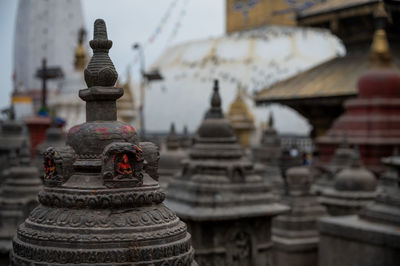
241,119
126,104
80,53
380,56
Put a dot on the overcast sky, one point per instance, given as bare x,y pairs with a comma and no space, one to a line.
128,21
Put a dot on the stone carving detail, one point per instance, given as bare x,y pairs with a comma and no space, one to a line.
102,204
151,156
96,73
99,199
240,248
57,163
122,165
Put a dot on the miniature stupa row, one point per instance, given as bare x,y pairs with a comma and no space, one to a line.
228,207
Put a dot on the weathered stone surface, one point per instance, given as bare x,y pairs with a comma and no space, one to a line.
372,237
342,159
268,155
353,188
18,196
226,205
171,157
295,235
101,204
11,138
54,138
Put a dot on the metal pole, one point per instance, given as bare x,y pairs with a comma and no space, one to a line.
44,86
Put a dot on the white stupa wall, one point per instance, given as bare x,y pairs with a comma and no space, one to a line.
45,29
255,59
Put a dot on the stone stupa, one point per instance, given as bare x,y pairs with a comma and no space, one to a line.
11,139
267,156
101,207
353,188
227,207
342,158
295,234
18,196
171,156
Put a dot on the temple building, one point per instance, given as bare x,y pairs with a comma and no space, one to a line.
227,207
295,234
18,197
370,238
318,94
371,119
353,188
101,203
241,119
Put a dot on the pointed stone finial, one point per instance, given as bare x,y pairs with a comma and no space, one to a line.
380,56
11,114
100,76
100,70
25,157
356,158
172,139
271,120
215,111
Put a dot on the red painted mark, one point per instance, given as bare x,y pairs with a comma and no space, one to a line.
102,130
74,129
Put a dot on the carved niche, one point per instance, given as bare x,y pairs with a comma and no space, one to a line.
241,247
122,165
57,164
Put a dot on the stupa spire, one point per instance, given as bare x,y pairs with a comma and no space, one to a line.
80,53
271,120
100,77
100,70
172,139
380,56
215,110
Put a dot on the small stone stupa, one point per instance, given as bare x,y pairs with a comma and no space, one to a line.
18,196
354,187
171,157
267,155
186,140
295,235
342,158
103,208
227,207
241,119
372,237
11,139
